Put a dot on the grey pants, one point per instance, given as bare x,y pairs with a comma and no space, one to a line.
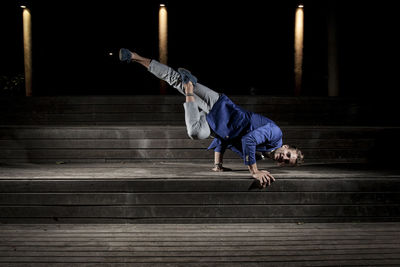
205,98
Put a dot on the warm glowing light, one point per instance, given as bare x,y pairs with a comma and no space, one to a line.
27,35
163,34
23,6
110,54
298,49
300,6
163,41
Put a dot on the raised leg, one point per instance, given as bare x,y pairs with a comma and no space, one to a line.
204,96
197,97
141,60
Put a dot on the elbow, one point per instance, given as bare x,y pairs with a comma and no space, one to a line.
248,141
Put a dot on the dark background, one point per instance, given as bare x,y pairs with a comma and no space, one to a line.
236,47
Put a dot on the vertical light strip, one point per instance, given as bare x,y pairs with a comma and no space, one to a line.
27,34
298,48
163,34
163,42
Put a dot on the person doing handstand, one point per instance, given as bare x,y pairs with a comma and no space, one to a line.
250,135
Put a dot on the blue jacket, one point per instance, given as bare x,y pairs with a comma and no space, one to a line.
242,131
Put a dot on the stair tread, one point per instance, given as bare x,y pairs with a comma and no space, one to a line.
189,170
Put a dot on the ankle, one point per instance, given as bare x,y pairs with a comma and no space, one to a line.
188,88
135,57
141,60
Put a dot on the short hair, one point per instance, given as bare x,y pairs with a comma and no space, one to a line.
300,155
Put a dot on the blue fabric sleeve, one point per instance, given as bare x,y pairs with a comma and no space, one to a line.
217,145
252,139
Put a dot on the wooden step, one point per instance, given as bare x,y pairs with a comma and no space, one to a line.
168,110
43,144
191,193
244,244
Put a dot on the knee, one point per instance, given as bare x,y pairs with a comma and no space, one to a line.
196,133
192,135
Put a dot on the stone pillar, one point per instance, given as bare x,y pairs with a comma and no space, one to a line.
333,77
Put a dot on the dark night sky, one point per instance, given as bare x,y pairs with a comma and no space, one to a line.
230,46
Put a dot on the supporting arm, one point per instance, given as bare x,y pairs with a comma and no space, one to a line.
264,177
218,161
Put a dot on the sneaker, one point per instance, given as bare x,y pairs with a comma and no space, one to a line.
187,76
125,55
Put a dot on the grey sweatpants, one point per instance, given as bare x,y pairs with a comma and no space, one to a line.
205,98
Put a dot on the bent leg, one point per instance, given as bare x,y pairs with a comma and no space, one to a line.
207,95
198,96
204,96
196,123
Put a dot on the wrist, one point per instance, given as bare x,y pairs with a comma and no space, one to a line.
253,169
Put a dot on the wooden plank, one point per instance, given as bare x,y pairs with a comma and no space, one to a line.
192,198
300,220
209,211
368,226
167,143
201,153
97,132
61,108
176,106
194,244
293,118
185,184
154,132
189,169
157,231
286,113
93,108
100,111
108,220
210,250
231,258
122,160
106,144
384,249
313,229
354,104
159,99
199,237
175,119
216,253
247,228
226,264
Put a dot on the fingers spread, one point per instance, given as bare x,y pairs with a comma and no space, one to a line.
270,176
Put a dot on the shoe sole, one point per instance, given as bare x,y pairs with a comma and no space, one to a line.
121,57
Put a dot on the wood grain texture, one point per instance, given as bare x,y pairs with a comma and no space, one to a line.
314,244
